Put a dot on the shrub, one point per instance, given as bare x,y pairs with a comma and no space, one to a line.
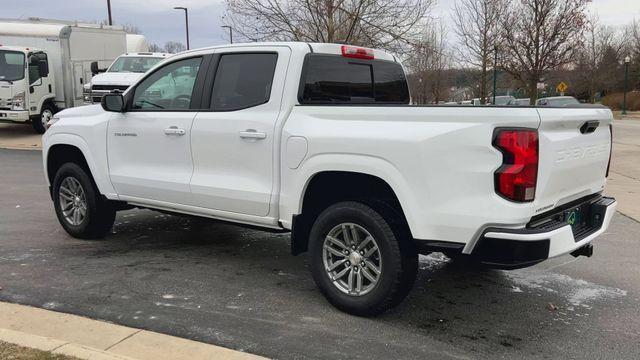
614,101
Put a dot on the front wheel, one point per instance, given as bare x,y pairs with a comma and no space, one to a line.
358,261
80,208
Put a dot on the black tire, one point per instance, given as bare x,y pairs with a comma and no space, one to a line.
99,214
399,259
39,122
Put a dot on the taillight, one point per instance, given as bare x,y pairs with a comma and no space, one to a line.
610,149
516,178
357,52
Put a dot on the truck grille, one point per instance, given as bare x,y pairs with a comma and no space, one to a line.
109,87
5,104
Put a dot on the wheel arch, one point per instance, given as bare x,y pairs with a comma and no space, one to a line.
359,185
47,99
61,147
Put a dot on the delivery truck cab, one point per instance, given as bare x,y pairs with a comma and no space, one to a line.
26,86
44,65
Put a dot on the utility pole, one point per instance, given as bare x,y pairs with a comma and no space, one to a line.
109,10
230,33
495,72
627,60
186,21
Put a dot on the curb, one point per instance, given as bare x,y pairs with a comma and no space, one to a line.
56,346
85,338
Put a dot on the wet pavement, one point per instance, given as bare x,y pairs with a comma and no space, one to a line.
242,289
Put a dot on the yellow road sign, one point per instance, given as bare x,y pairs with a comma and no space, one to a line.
562,87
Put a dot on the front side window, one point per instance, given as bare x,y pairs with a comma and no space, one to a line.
11,65
34,66
169,88
135,64
331,79
243,81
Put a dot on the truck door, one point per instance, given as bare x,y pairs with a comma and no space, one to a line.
233,143
148,146
39,84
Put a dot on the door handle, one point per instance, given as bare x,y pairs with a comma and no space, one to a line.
174,130
253,134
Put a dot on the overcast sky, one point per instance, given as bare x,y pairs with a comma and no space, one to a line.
160,23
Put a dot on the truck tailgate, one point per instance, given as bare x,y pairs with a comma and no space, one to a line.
574,144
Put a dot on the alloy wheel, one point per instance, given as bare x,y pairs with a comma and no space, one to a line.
73,201
352,259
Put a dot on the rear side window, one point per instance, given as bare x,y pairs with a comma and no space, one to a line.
332,79
243,81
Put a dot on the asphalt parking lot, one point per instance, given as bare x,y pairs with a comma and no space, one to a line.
241,289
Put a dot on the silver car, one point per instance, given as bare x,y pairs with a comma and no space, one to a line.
557,101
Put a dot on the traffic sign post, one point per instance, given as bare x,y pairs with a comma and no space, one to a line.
561,88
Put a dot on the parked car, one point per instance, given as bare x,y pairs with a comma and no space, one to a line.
320,140
557,101
44,65
519,102
123,72
502,100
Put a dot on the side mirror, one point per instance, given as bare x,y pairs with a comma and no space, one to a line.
43,68
113,102
94,68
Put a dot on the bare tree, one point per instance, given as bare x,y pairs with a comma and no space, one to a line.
173,47
632,38
131,29
594,56
476,24
128,28
428,64
539,36
386,24
153,47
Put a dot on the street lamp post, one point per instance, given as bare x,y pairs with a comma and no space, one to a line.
495,72
627,60
230,32
186,21
109,10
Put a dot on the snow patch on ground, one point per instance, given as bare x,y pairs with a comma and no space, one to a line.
51,305
576,291
433,261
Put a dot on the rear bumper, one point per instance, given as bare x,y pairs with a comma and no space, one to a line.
14,116
545,237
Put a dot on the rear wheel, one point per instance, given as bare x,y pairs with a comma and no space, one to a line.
40,122
358,261
80,208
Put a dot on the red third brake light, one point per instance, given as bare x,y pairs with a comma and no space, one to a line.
516,178
357,52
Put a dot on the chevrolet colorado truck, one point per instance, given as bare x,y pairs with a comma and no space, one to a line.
321,140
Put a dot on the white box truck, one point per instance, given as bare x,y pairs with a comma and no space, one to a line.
44,64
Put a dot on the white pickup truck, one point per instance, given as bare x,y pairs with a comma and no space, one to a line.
124,71
321,140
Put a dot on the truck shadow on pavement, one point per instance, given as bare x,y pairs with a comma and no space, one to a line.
242,289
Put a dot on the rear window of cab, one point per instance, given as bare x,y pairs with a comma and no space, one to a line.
334,79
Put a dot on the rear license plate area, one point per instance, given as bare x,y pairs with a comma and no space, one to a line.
578,217
585,217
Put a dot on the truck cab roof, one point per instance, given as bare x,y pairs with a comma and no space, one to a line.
305,47
146,54
17,48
